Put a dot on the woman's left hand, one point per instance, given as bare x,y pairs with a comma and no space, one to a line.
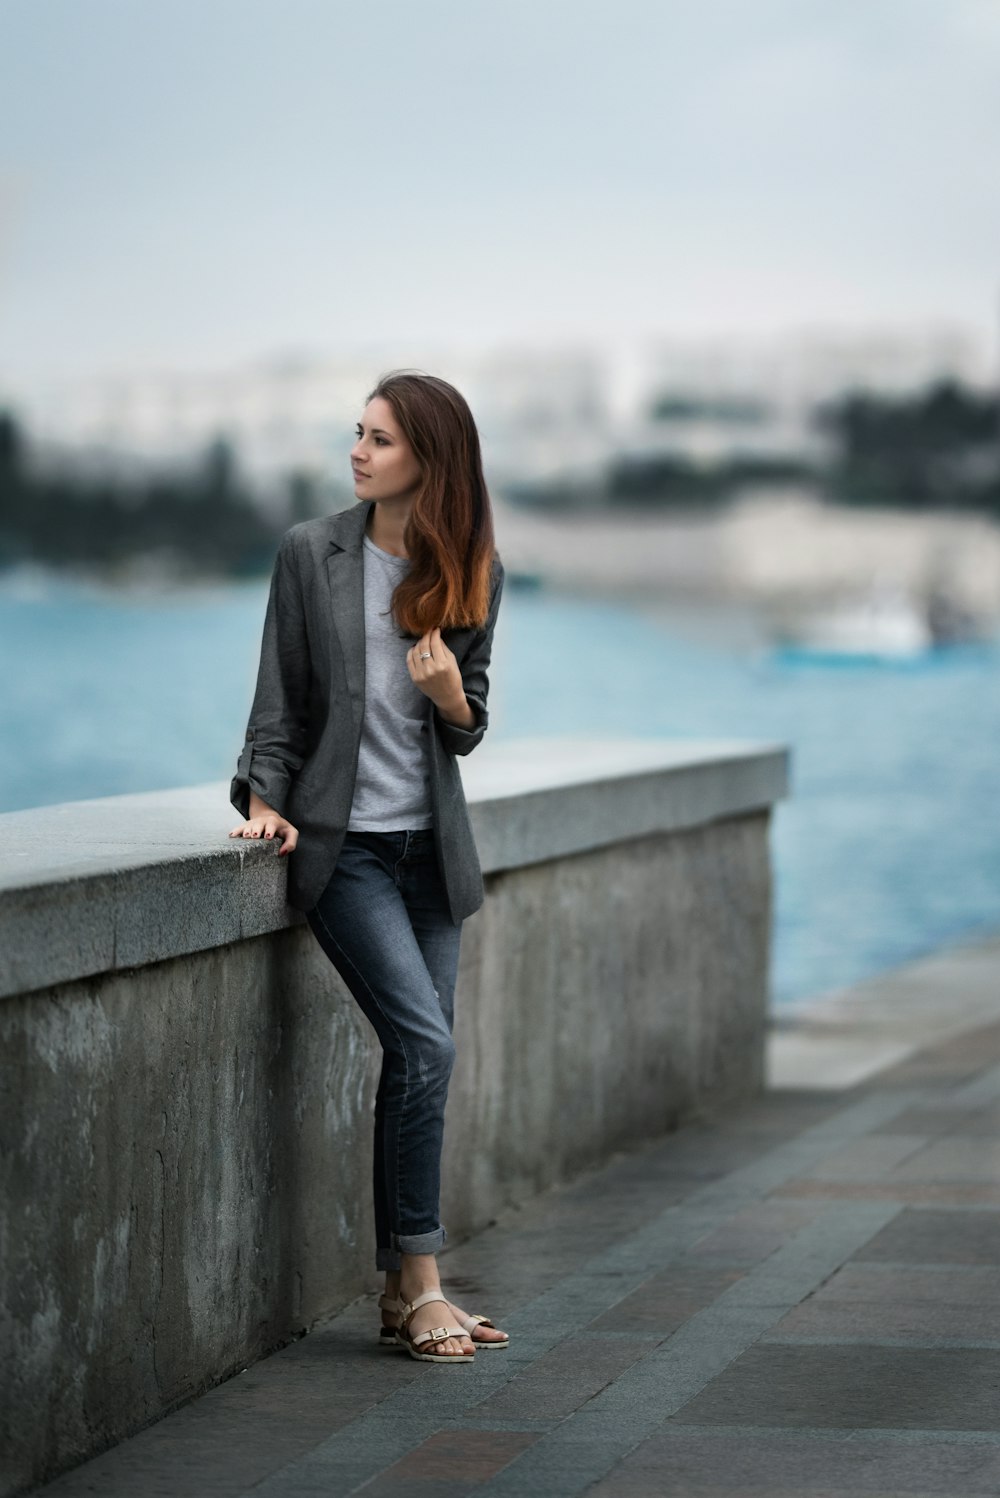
438,676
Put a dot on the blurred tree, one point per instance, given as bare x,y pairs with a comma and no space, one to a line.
202,519
303,496
934,449
12,488
220,478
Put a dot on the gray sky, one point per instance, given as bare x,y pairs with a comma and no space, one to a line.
191,182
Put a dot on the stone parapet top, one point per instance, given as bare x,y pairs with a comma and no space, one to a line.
119,881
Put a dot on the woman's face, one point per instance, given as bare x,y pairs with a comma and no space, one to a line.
383,462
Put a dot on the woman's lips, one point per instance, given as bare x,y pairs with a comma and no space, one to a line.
358,475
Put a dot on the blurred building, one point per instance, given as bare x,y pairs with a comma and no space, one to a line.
727,399
557,412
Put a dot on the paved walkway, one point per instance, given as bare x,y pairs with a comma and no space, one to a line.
801,1296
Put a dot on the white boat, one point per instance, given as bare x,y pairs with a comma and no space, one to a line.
884,623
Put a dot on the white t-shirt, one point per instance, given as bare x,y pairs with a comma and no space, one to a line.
391,791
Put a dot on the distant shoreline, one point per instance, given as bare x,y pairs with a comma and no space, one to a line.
777,548
764,552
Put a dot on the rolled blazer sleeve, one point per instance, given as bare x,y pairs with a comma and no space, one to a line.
474,667
273,749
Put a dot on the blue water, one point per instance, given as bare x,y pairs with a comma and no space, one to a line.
888,847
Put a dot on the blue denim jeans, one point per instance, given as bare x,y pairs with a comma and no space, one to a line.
384,923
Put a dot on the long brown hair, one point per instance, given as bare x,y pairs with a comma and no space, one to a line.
449,534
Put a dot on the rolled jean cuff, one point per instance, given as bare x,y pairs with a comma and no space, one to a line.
388,1259
419,1243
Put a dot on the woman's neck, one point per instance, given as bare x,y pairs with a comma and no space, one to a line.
386,525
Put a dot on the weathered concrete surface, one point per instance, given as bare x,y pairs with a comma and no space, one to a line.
96,886
186,1174
636,987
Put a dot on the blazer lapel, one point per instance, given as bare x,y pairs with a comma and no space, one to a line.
345,576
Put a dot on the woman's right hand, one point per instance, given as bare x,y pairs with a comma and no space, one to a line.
269,825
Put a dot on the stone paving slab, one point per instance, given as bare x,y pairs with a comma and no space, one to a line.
931,1237
769,1464
797,1296
935,1322
857,1386
870,1158
666,1300
913,1284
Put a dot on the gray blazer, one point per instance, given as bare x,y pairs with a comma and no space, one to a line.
301,749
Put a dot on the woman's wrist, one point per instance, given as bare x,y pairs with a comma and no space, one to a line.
459,712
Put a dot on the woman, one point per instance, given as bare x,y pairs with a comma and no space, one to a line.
372,678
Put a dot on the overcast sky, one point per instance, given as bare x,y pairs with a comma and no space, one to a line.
192,182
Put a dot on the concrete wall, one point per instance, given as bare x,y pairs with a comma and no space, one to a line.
186,1153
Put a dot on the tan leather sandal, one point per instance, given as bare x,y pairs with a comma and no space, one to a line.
387,1334
414,1343
471,1322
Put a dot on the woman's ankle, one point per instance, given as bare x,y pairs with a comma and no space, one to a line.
418,1274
